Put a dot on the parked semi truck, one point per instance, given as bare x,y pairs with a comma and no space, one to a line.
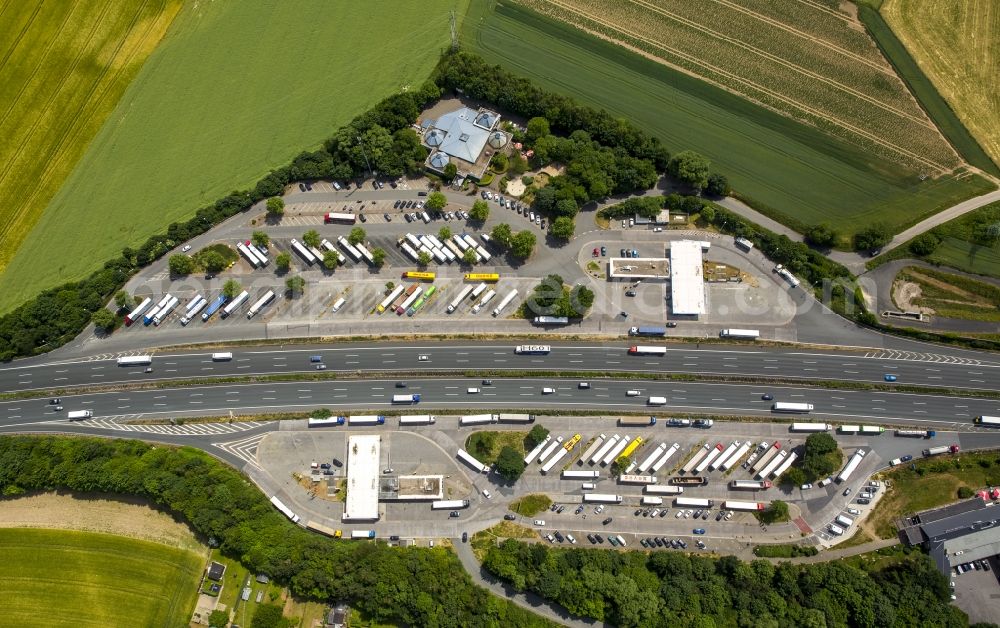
916,433
366,419
624,422
941,449
647,331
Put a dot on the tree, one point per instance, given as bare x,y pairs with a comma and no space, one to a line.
582,298
436,201
389,287
562,228
991,233
275,206
261,239
925,243
423,259
821,456
620,464
378,257
283,261
536,128
480,211
518,165
231,288
873,237
566,207
311,238
469,258
510,464
689,167
718,185
522,244
331,259
296,285
499,162
213,262
502,234
103,319
180,264
218,619
450,171
268,616
444,233
775,513
123,300
535,436
821,235
545,200
356,236
708,214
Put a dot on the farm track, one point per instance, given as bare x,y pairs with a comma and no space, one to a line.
878,67
899,150
922,120
825,9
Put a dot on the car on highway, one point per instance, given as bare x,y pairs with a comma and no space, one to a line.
473,391
315,358
699,530
607,521
54,402
400,384
889,377
509,517
149,369
583,385
422,358
548,391
767,397
487,382
57,408
320,367
539,522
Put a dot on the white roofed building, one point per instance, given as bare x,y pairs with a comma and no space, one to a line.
687,278
362,478
465,137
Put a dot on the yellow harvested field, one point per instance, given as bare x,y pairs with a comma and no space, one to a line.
802,59
63,69
957,44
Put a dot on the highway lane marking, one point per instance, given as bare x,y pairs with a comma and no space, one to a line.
67,371
59,379
197,394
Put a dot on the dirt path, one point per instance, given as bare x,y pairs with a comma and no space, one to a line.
98,513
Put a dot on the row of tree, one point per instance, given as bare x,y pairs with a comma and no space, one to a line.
407,586
673,589
59,314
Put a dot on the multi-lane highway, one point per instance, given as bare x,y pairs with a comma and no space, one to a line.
871,366
604,397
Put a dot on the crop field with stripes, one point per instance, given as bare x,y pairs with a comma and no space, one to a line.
957,44
801,58
63,67
795,172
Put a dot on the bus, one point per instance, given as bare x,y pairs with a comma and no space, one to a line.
783,406
340,218
135,360
416,274
482,276
647,350
987,421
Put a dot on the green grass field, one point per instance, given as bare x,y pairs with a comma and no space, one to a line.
794,172
64,67
234,89
63,578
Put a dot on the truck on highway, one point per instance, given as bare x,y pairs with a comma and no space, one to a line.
601,498
417,419
135,360
624,422
449,504
223,356
366,419
411,398
916,433
79,415
783,406
941,449
647,350
647,331
752,485
656,401
213,307
532,349
987,421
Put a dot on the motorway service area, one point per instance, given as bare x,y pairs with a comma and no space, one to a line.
643,277
692,484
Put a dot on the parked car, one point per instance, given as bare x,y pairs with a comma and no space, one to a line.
487,494
806,487
578,510
559,536
539,522
630,293
604,251
592,539
454,513
607,521
509,517
699,530
465,537
847,491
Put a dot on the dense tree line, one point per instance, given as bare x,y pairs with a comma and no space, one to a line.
474,77
674,589
58,314
410,586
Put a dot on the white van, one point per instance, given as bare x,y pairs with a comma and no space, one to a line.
339,304
632,393
426,217
222,357
570,538
588,486
826,482
548,391
836,530
844,521
619,538
473,391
